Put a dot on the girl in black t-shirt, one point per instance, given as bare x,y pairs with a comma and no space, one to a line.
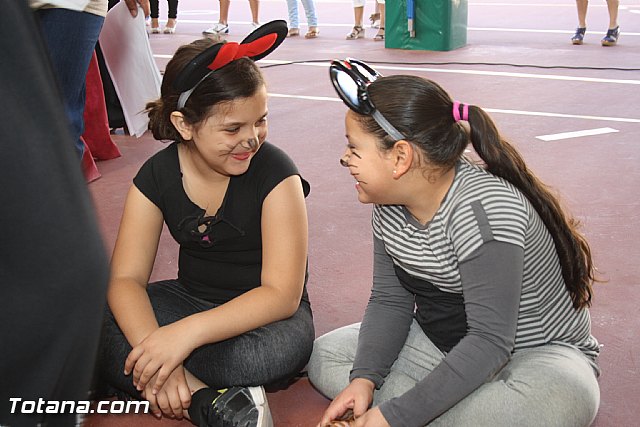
237,316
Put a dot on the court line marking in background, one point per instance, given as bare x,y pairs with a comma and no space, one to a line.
488,110
576,134
474,72
453,71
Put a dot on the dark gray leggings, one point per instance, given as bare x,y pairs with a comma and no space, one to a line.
269,355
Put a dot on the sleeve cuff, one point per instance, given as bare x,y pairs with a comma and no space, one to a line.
375,378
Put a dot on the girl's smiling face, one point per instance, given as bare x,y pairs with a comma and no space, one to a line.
228,139
371,168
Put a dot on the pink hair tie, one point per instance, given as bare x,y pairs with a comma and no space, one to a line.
456,112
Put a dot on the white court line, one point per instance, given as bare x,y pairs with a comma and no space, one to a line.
576,134
488,110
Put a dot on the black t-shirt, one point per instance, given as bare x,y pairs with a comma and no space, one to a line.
225,260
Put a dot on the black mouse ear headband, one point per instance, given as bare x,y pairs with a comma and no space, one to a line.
260,43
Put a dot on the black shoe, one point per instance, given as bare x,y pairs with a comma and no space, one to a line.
612,37
232,407
578,37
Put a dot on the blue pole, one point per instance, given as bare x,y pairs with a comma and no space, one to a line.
410,18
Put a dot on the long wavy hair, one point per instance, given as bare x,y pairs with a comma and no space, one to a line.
424,116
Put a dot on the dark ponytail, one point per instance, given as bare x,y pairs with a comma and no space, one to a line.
424,115
503,160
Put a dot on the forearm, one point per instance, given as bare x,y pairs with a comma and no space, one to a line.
131,307
258,307
492,298
386,321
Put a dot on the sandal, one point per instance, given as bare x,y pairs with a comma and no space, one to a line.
373,18
170,30
380,36
612,37
356,33
312,33
293,32
155,26
578,37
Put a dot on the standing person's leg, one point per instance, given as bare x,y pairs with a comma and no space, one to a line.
611,38
62,28
380,35
358,11
374,18
582,21
294,24
612,6
312,19
254,5
221,27
154,8
224,11
172,16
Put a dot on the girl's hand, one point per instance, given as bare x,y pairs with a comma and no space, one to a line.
357,396
173,398
372,418
159,353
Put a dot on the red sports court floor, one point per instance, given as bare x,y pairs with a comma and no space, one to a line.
578,128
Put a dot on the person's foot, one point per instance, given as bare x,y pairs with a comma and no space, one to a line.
170,28
217,28
155,26
374,18
578,37
293,32
235,406
611,38
312,33
255,25
380,36
356,33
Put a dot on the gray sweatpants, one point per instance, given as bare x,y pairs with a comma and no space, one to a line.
551,385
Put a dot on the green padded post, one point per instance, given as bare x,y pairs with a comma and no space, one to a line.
439,24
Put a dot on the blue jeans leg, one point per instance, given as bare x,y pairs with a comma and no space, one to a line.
71,37
292,6
310,11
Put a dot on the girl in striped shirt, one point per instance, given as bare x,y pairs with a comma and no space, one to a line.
478,314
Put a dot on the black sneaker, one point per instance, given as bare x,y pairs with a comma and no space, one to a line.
232,407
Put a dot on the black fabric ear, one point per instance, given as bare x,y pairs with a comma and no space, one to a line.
279,27
196,69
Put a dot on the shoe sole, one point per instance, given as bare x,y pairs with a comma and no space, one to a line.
264,413
609,43
576,41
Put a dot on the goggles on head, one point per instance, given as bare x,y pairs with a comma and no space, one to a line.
351,79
